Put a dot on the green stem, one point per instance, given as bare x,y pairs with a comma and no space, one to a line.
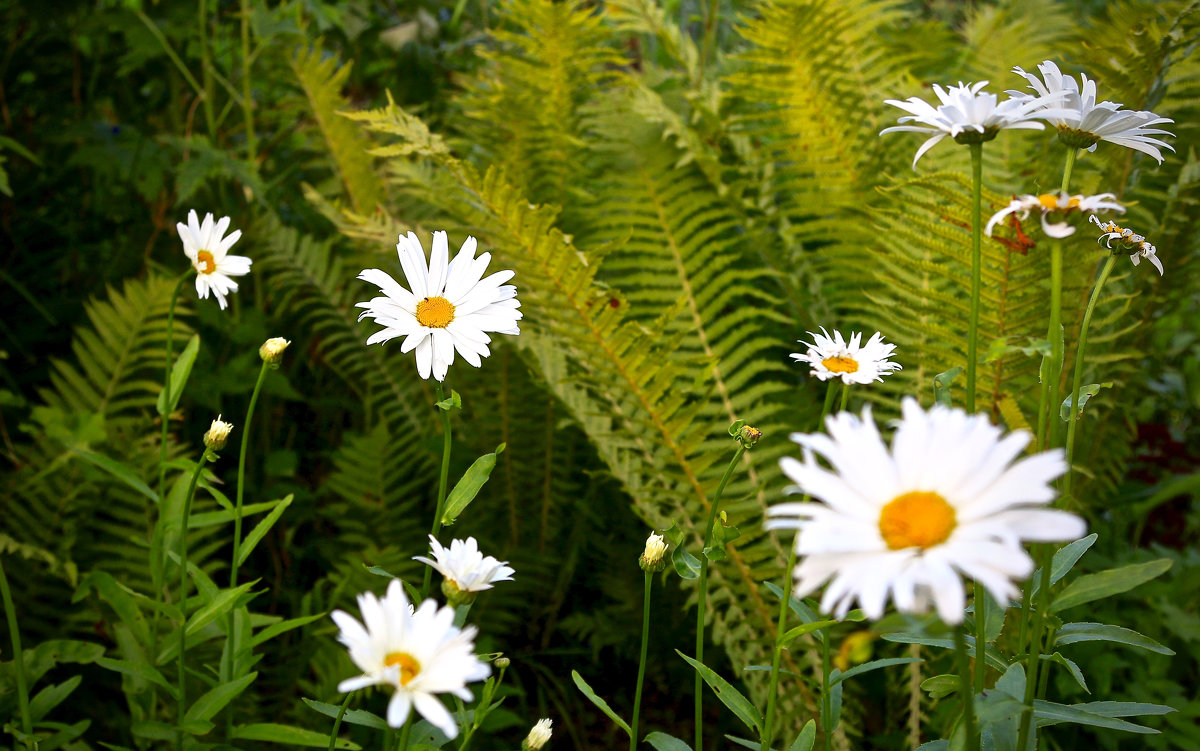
183,579
337,721
964,677
206,69
1033,663
845,398
14,633
247,100
702,596
166,45
826,693
1080,350
389,735
404,733
162,444
442,481
637,694
976,269
981,616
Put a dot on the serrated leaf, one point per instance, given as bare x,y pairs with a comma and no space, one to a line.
729,696
51,696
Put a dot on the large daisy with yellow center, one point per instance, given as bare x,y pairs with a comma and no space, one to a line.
207,247
418,653
852,361
449,306
946,500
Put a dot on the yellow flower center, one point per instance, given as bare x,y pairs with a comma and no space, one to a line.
840,364
919,519
1049,201
205,263
435,312
409,667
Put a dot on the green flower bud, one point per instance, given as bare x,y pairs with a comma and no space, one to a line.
272,351
217,435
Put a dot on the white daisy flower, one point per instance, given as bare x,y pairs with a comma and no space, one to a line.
968,116
418,653
945,500
834,357
1054,203
538,736
1129,240
449,308
206,246
1087,123
464,567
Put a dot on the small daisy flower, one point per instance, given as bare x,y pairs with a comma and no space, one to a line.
1054,203
834,357
1087,123
207,247
946,500
1129,240
969,116
464,567
418,653
538,736
217,434
652,557
448,307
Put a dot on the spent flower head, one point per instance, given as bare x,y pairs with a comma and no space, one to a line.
448,307
1129,240
538,736
852,361
217,434
466,570
652,558
271,352
947,499
208,249
1055,205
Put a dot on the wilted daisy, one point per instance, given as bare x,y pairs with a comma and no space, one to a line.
538,736
419,654
834,357
1082,123
448,307
464,567
946,499
206,246
969,116
1129,240
1055,204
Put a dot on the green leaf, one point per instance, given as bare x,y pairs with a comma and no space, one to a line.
51,696
1072,633
602,705
351,716
721,536
1049,713
213,518
940,685
138,670
807,738
468,486
664,742
1085,393
117,470
1065,559
729,696
120,600
686,564
179,376
1071,667
1092,587
207,706
275,629
218,606
942,383
807,628
454,401
260,530
875,665
287,734
993,657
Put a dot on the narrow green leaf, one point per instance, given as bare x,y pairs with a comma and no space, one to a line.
117,470
1071,667
993,657
154,730
351,716
942,383
275,629
287,734
1085,393
51,696
602,705
1092,587
260,530
686,564
138,670
213,518
729,696
1049,713
875,665
807,738
807,628
217,607
1065,559
179,376
207,706
121,601
468,486
664,742
1072,633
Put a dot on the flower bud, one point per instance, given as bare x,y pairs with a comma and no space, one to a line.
652,558
749,436
538,736
272,351
501,663
217,434
457,597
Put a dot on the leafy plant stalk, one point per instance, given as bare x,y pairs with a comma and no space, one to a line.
162,445
637,694
183,579
976,270
826,693
442,481
14,633
337,721
964,677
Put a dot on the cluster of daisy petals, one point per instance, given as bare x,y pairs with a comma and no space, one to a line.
1055,204
1129,240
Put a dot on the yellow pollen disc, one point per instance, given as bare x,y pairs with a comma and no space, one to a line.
840,364
1049,201
916,520
409,667
1073,203
435,312
205,263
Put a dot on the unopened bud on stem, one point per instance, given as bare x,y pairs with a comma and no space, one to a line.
272,351
217,435
538,736
652,559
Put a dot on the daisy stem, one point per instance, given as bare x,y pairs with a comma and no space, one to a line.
1033,664
637,694
14,633
183,579
968,695
442,478
1080,348
337,721
976,269
845,399
829,394
162,445
981,616
702,596
826,693
389,737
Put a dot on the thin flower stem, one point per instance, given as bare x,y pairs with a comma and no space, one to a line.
826,693
976,269
968,696
442,481
981,617
702,596
1080,350
637,694
845,398
206,68
183,579
389,737
247,100
1034,661
162,444
830,392
337,721
14,633
166,45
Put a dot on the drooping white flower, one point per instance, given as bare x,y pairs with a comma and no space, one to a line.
207,247
1086,122
946,500
449,307
1129,240
1058,204
970,115
834,357
418,653
464,566
538,736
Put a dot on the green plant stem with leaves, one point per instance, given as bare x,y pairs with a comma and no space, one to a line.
247,98
162,445
637,694
702,592
183,580
443,478
965,687
337,721
14,633
826,692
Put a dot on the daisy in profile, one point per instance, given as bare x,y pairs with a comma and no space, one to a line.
968,114
1055,205
448,307
207,248
947,500
834,357
1083,123
1129,240
418,653
466,570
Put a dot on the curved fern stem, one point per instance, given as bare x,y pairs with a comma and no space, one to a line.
337,721
964,677
10,613
637,694
183,579
162,446
702,597
442,479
